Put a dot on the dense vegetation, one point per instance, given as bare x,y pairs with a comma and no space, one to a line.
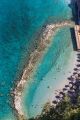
68,108
65,110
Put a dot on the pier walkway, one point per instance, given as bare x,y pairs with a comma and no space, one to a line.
77,35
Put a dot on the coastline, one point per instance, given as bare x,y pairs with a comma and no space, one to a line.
45,40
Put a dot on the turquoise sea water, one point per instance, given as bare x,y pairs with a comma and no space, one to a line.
51,72
19,23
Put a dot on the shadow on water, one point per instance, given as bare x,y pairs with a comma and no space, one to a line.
74,18
73,6
73,38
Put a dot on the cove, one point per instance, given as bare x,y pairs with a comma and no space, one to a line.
50,74
20,22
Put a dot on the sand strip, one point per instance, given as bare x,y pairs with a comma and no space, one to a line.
45,40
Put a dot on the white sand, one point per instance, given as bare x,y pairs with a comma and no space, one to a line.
45,40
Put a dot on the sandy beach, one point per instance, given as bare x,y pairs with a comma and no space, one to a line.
45,41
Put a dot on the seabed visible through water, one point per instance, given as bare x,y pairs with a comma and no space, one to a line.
19,23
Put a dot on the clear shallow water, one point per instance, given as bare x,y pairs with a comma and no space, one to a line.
19,23
51,73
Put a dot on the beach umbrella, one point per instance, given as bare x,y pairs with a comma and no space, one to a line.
67,86
78,65
70,85
76,69
77,79
74,73
54,102
62,93
58,97
78,57
71,92
78,60
78,54
74,87
71,78
64,90
73,83
78,74
74,76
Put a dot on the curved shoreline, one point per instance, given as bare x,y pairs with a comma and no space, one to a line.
45,40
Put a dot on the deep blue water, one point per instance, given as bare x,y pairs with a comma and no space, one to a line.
20,20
